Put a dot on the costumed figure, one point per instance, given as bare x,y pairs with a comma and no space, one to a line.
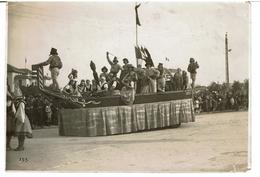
95,86
21,125
129,85
82,87
104,72
115,67
71,87
113,82
103,84
151,74
124,71
55,65
141,79
88,86
10,120
185,80
177,80
193,66
161,79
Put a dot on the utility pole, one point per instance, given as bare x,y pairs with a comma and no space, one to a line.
226,57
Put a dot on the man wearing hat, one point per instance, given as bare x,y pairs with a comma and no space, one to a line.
55,65
115,67
193,66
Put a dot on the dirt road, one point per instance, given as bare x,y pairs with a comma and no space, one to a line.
215,142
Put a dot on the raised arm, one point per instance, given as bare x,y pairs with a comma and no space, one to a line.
108,59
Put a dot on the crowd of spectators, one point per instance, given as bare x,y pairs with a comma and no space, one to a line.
221,97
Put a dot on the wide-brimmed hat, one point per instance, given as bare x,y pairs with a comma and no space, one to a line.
104,69
53,51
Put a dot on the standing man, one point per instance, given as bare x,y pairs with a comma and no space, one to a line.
115,67
55,65
193,66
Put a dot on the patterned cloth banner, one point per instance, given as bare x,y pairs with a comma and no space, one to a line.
125,119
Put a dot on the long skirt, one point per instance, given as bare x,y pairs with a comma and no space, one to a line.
10,124
23,128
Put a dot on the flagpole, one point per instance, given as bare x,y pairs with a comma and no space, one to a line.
136,36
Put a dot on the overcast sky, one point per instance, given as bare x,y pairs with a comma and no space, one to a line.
85,31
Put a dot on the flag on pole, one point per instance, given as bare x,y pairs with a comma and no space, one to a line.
136,15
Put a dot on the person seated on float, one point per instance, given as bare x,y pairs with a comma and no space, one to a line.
71,87
104,72
115,67
151,74
103,84
88,86
82,87
177,80
113,82
95,86
161,79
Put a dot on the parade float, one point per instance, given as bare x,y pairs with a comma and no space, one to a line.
109,114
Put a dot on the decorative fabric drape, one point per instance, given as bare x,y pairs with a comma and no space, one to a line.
125,119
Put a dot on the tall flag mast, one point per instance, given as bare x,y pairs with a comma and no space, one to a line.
137,23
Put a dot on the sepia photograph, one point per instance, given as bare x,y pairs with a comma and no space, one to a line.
128,87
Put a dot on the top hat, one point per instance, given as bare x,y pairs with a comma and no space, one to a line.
53,51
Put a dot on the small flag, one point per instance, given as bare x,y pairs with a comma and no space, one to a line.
136,15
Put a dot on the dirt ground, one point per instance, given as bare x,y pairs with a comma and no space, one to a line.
215,142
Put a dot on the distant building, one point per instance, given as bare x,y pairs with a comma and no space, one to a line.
24,76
